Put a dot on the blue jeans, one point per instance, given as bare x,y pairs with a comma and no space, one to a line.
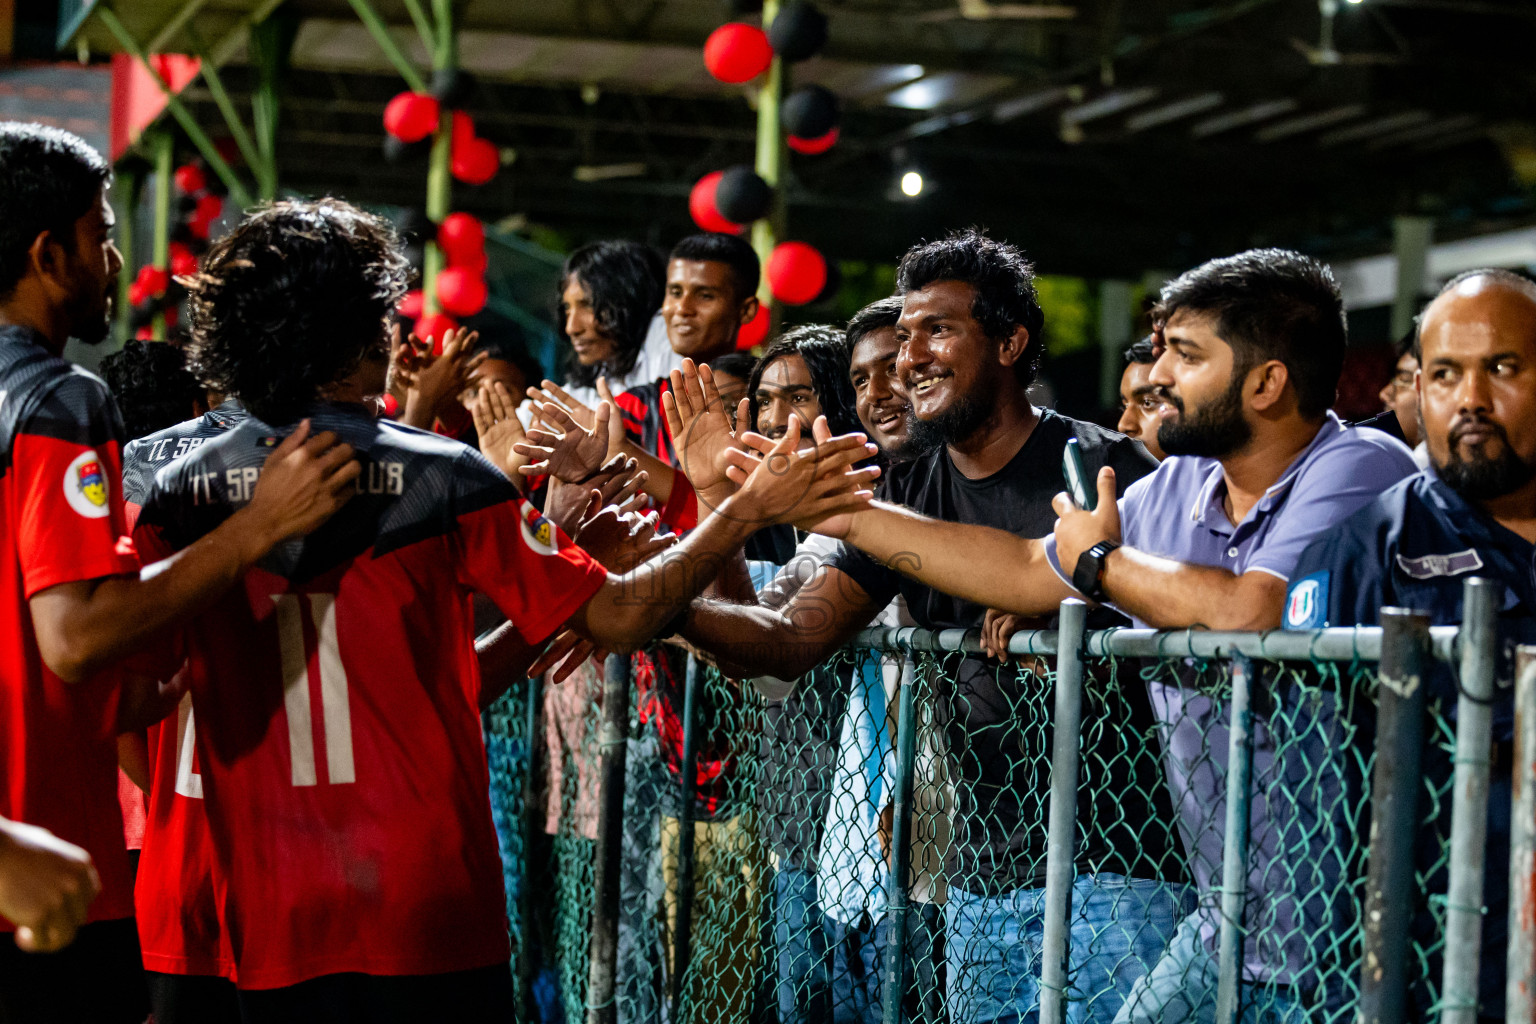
833,972
1181,989
1119,928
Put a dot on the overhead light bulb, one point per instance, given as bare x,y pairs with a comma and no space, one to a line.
911,183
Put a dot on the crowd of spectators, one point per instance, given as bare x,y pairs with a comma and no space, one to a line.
247,594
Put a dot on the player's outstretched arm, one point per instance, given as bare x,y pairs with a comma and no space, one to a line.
787,641
789,484
89,625
46,886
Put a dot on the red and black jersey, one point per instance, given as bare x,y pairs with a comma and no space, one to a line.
179,929
335,692
646,423
61,511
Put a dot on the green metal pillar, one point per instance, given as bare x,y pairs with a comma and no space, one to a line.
125,206
771,155
445,56
165,169
271,44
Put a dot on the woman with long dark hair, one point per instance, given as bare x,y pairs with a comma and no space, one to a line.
609,293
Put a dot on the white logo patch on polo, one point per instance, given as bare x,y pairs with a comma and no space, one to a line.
1427,567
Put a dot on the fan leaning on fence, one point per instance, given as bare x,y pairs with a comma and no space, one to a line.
1250,351
1472,513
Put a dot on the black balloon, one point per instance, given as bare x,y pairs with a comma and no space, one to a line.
810,112
397,152
834,283
452,87
742,196
799,31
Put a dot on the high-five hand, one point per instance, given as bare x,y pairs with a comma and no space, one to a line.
498,430
784,484
700,426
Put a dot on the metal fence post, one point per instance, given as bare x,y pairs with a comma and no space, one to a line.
602,1006
1234,845
682,938
1520,988
532,824
1469,807
901,853
1395,785
1061,834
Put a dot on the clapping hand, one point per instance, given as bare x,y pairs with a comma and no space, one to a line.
779,483
571,452
498,430
617,483
46,886
701,430
620,540
436,381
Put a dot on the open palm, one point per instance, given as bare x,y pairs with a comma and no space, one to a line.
701,430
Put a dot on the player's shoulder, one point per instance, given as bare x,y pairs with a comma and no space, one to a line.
64,402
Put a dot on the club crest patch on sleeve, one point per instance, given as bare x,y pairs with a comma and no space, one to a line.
85,485
1427,567
539,533
1306,605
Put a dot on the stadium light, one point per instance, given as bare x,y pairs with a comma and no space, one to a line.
911,184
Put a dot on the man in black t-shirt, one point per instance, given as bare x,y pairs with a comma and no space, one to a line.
970,343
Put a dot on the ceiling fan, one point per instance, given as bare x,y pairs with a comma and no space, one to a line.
987,10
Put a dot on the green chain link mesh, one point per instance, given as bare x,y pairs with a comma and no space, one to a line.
788,891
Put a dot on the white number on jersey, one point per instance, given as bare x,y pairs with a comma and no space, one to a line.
335,712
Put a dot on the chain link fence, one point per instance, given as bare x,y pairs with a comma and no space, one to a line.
1113,826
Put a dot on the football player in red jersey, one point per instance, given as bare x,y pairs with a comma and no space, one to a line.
72,603
336,692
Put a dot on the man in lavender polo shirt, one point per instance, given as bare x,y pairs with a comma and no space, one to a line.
1249,354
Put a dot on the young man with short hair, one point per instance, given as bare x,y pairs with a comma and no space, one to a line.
1141,402
970,330
337,690
1471,513
73,603
1251,350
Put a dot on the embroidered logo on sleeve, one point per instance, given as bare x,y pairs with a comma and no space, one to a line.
539,533
1427,567
85,485
1307,604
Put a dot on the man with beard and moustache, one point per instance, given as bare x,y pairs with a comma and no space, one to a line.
970,344
1250,351
1472,512
75,607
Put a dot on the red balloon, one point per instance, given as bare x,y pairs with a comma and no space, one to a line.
435,327
461,292
190,178
412,304
183,262
199,226
811,147
154,280
144,334
796,273
390,406
753,332
475,162
136,294
461,236
463,128
736,53
209,208
411,116
701,205
475,262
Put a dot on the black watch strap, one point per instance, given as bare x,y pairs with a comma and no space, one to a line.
1088,577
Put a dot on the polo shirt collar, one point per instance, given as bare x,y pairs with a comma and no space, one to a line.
1207,509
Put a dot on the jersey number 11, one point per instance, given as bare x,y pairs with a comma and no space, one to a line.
335,711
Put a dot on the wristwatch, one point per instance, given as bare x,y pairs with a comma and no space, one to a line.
1088,577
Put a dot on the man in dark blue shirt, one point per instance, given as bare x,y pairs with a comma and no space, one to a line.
1472,513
